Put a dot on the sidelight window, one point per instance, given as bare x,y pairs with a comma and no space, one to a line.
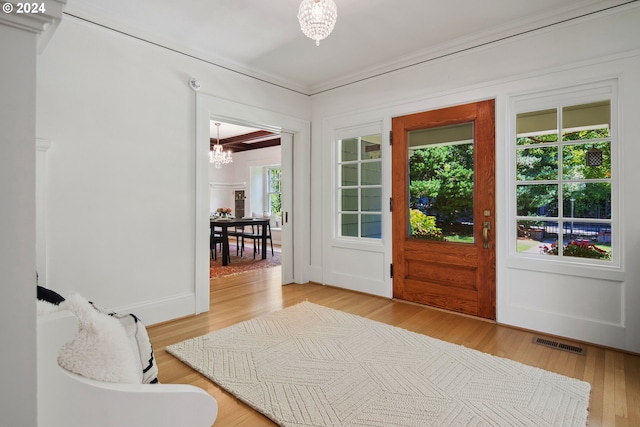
565,178
359,187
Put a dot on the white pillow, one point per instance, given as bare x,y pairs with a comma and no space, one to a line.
139,341
101,349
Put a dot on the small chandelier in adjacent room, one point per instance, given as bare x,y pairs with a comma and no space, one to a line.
317,18
217,156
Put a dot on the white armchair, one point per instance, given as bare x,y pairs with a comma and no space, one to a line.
67,400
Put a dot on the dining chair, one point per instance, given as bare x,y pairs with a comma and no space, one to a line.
238,232
269,237
256,236
215,239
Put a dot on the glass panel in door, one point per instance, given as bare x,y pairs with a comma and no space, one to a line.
441,183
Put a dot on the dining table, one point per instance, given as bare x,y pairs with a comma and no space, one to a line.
224,223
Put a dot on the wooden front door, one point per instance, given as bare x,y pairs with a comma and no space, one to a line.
443,208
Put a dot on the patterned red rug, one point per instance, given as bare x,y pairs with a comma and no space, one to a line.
240,264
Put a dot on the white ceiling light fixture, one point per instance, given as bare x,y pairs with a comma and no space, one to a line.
217,156
317,18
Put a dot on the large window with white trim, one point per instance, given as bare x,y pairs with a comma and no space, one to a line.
359,187
565,178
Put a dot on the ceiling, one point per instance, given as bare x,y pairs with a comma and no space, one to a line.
262,39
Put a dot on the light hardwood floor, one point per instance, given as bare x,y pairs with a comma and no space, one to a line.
614,375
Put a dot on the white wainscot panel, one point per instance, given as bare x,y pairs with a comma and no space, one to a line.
358,270
574,307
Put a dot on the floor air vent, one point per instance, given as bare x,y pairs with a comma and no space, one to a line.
560,346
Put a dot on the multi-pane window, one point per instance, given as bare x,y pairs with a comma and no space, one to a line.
274,187
359,187
563,181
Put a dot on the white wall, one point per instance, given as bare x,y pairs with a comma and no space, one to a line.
598,308
121,169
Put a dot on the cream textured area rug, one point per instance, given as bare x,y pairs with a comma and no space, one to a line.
309,365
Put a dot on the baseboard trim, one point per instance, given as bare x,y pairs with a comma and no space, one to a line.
162,309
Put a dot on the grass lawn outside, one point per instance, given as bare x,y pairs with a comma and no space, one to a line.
525,245
456,238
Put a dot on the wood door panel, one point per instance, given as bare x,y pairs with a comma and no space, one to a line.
439,254
433,272
442,296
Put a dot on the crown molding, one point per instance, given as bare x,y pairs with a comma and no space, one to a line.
43,23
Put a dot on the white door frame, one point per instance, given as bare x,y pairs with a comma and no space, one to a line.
286,239
209,108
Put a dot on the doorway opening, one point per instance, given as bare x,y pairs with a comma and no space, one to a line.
295,233
250,187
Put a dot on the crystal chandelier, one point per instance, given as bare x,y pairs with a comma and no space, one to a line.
217,156
317,18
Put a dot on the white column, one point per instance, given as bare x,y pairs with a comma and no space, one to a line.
21,37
